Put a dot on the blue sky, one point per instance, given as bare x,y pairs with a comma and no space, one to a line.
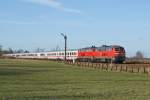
29,24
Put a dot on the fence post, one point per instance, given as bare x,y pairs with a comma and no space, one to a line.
85,64
120,68
79,64
96,65
116,68
92,65
138,69
82,65
144,70
126,68
111,67
100,66
89,65
132,69
148,69
107,65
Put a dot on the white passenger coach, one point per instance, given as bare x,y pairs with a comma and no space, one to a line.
54,55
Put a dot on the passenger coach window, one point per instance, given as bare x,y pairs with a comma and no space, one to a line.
42,54
49,54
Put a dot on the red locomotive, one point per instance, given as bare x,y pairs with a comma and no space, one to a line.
114,53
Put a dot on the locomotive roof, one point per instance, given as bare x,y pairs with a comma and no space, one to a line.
115,46
92,47
103,46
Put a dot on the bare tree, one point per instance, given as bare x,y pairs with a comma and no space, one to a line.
1,48
139,55
39,50
57,48
26,51
20,51
10,50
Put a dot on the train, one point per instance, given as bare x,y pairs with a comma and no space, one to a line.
113,53
104,53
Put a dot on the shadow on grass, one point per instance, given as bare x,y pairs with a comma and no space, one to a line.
12,72
62,97
83,97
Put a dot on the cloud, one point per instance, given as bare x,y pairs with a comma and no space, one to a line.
54,4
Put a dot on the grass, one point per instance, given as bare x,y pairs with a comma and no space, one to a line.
45,80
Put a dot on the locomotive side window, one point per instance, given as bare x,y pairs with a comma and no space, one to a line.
117,49
104,48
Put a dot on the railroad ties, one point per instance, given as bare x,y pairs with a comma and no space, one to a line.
132,68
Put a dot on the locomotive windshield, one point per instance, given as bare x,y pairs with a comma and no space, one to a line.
119,49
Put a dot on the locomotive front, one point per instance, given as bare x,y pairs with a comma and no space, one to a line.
118,54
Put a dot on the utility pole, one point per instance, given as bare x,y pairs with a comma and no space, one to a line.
65,38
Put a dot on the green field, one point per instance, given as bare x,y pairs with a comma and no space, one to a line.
45,80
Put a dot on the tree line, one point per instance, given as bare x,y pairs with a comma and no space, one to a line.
10,51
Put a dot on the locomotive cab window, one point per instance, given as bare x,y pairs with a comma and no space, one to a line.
117,49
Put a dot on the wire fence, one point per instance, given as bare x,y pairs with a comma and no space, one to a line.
132,68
